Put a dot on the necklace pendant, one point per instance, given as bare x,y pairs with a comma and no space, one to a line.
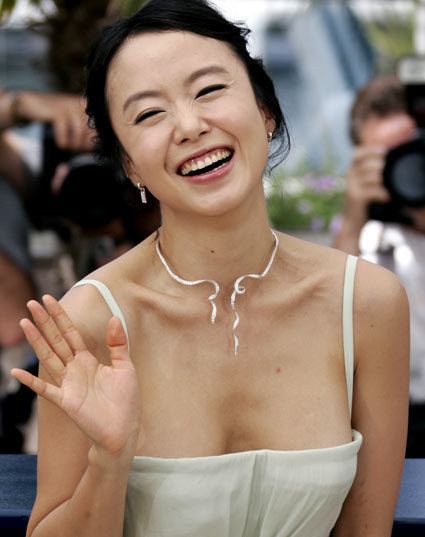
237,288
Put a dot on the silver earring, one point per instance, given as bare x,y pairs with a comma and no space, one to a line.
142,193
269,136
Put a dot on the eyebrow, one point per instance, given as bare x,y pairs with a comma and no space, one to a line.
212,69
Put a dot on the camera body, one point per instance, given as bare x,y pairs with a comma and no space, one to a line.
88,199
88,196
404,170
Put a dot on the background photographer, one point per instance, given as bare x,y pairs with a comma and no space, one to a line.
66,114
82,202
380,122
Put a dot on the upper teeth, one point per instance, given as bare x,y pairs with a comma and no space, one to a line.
199,164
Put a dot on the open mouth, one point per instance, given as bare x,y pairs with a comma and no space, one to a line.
209,162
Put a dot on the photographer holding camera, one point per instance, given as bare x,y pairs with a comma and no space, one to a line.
384,212
66,114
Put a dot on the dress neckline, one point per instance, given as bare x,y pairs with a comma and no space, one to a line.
342,448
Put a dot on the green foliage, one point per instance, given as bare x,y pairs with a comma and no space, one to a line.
131,6
6,8
124,7
308,203
392,38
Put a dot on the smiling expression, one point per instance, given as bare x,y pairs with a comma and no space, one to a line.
185,113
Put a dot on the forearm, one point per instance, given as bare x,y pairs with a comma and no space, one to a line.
96,507
12,166
347,238
7,109
17,107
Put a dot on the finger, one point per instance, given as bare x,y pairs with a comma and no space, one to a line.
370,178
358,171
378,194
116,340
372,164
39,386
53,364
50,331
64,323
362,152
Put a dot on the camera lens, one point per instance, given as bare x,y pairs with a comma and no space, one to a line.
404,173
90,195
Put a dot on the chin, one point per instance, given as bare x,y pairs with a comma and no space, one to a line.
224,203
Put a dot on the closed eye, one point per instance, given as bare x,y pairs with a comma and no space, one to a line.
146,115
210,89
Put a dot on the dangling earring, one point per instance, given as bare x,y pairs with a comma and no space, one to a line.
269,136
142,193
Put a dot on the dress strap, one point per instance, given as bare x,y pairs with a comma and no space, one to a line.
110,301
347,322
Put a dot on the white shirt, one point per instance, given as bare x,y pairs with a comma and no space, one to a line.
402,250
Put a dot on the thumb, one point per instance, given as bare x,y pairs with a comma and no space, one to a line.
116,340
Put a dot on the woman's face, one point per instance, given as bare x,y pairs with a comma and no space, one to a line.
185,113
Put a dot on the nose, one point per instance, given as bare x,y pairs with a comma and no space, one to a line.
189,126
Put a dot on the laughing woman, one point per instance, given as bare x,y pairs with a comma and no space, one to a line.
250,383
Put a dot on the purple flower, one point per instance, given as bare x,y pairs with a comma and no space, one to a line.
335,224
321,183
317,223
304,207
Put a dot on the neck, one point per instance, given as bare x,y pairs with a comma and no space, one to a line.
218,248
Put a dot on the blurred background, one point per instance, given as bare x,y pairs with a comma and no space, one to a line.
318,52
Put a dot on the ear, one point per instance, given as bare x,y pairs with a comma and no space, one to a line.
130,170
269,122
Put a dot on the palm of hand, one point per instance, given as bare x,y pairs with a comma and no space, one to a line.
103,401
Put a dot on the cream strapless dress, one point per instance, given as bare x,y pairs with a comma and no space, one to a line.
260,493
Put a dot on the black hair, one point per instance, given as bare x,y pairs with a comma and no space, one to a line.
195,16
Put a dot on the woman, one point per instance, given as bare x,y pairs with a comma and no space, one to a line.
232,416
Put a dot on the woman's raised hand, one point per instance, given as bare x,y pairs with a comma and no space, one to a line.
103,401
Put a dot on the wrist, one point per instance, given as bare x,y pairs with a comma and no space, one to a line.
351,228
7,105
10,109
347,238
354,217
18,115
111,462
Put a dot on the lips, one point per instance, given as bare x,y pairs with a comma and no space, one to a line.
205,162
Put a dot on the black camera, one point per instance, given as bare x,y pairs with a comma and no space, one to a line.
88,197
404,170
88,193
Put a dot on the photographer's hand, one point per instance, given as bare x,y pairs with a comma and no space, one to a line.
64,111
364,186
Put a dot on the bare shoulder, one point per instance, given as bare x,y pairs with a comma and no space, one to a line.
381,306
381,311
377,289
311,258
374,285
86,304
380,399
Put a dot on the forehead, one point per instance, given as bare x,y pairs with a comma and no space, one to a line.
155,58
387,131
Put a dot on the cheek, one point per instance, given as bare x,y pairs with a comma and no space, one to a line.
148,149
242,119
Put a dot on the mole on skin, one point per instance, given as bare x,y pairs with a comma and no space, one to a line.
278,370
